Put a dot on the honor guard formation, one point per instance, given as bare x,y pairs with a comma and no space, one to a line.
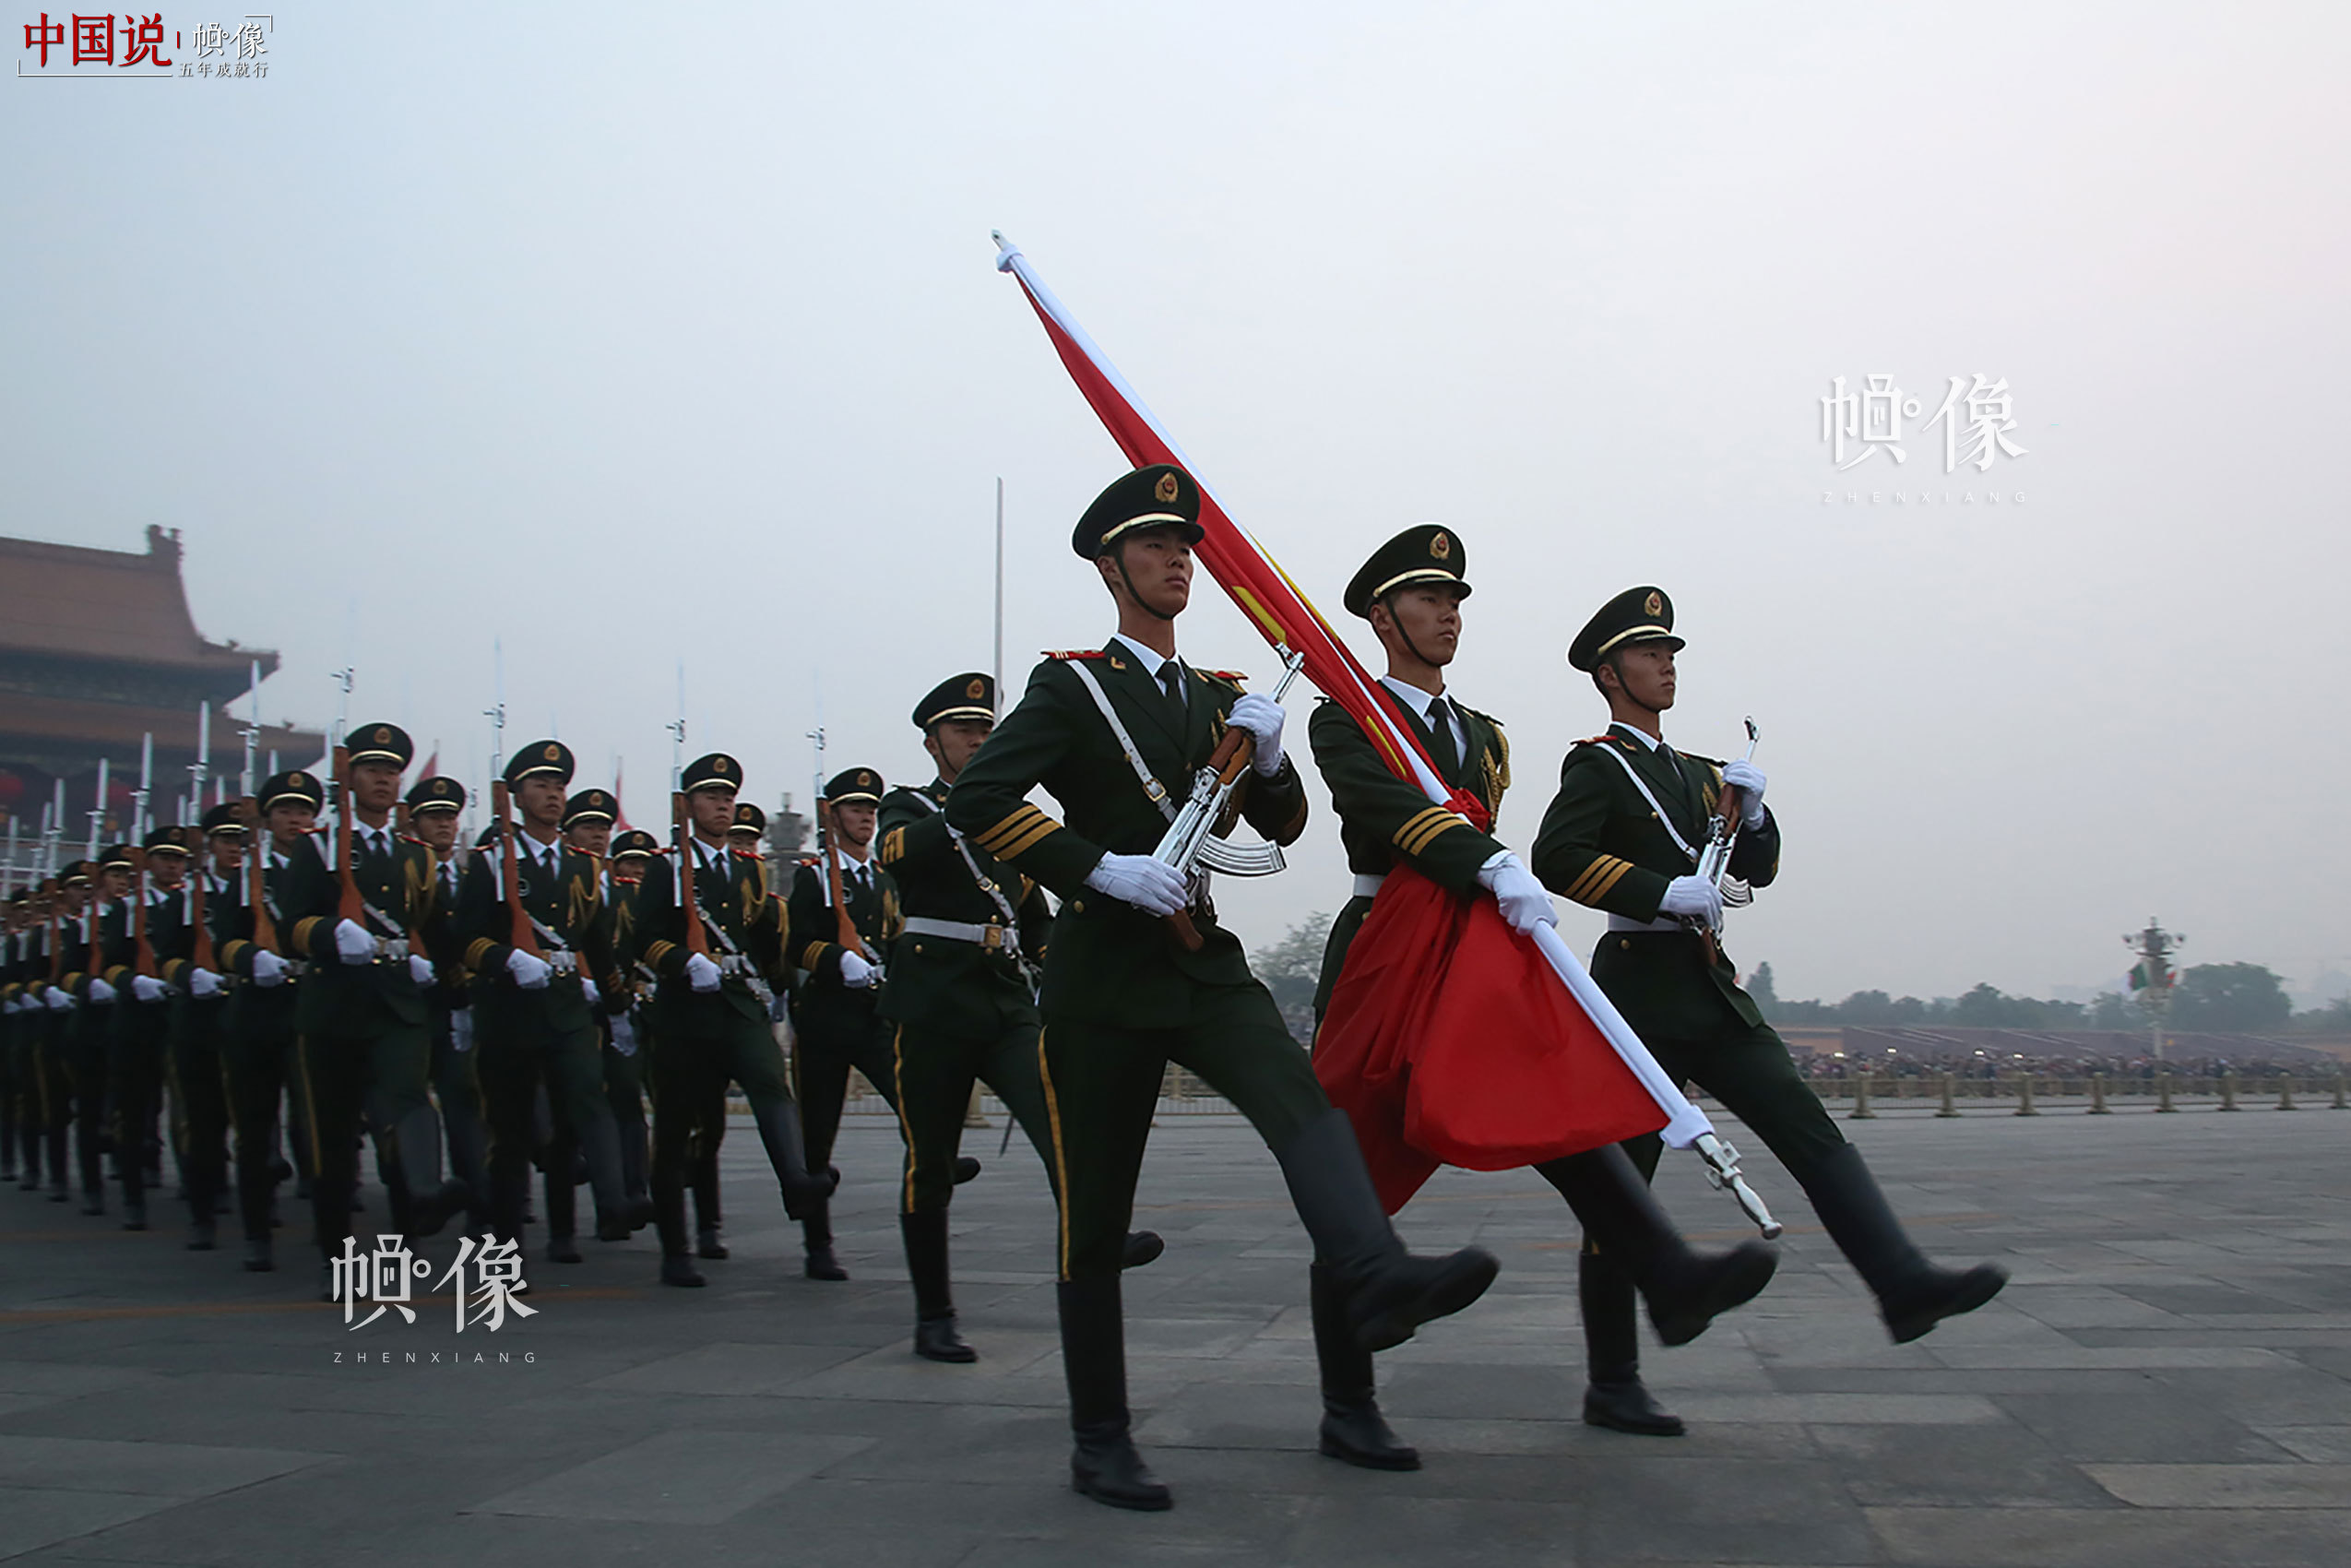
284,990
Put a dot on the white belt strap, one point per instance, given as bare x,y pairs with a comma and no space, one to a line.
1151,785
1667,822
993,938
1626,922
1368,886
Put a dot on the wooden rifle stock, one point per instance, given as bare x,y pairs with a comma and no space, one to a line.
200,954
844,928
52,898
265,929
142,949
352,907
689,902
519,932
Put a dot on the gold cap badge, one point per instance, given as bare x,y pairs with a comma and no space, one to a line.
554,752
1441,547
977,690
382,737
1653,605
1165,491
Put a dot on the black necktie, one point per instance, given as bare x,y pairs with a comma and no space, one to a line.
1171,682
1440,731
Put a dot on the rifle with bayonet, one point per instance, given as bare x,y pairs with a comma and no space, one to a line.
1714,861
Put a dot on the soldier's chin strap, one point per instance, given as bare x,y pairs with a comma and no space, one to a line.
1388,603
1117,559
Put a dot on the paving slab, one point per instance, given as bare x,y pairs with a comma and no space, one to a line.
2167,1382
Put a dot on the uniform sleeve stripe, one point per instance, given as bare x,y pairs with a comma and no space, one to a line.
1430,824
1028,840
302,928
1581,888
1417,823
478,950
1014,823
657,951
1616,874
811,955
893,846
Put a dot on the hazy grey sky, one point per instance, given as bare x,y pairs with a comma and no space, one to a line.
628,334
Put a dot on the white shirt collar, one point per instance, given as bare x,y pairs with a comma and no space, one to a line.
1418,701
1648,741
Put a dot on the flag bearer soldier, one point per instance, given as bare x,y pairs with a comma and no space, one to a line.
961,1005
711,1010
435,806
140,1042
625,1038
588,819
1122,995
1623,835
199,1006
835,1018
366,1046
259,1040
1411,591
534,1015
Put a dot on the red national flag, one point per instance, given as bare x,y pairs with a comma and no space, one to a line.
1450,1039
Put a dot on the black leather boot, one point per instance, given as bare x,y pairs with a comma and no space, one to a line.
1913,1294
1142,1247
1615,1397
707,1246
562,1217
965,1169
1353,1429
778,1124
1390,1291
816,1232
678,1269
1685,1290
935,1339
1104,1464
260,1255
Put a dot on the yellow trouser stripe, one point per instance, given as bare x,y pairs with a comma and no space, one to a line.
1061,1162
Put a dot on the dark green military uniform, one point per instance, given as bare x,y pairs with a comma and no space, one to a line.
259,1041
451,1067
1123,997
543,1035
625,1029
98,941
138,1053
200,1013
837,1025
704,1038
1630,817
366,1046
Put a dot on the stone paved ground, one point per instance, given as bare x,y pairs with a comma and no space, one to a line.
2167,1382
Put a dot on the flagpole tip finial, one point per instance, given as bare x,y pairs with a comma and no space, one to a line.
1006,250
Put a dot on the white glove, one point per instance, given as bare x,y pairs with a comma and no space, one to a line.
57,999
1694,896
353,944
146,988
203,982
856,973
8,1006
588,989
529,972
1525,903
419,969
1145,881
101,993
1261,717
1748,779
267,967
700,972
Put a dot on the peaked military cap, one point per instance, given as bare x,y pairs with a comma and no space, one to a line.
222,818
1158,496
72,871
590,806
969,695
748,818
716,771
635,841
487,838
294,786
541,757
381,742
114,855
1424,555
438,793
172,840
1636,616
853,785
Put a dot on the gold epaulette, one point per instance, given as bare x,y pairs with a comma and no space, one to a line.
1235,676
1077,653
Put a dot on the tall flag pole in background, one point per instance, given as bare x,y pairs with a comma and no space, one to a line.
1282,613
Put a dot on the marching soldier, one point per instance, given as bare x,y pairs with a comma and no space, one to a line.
835,1019
625,1035
535,1014
961,1004
711,1007
258,1037
140,1042
588,819
1411,591
1123,994
435,806
366,1045
20,1007
91,1027
61,942
1623,835
199,1005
